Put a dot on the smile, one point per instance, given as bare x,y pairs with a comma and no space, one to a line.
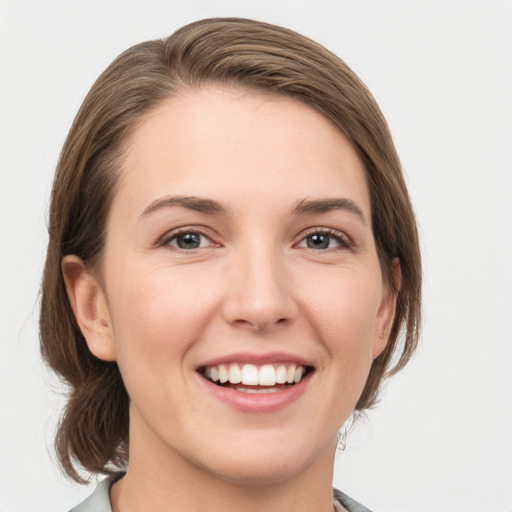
251,378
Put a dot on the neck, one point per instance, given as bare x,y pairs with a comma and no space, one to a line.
160,480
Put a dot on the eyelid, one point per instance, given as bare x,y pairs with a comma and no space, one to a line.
174,233
345,241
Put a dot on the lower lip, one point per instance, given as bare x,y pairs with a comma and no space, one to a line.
257,403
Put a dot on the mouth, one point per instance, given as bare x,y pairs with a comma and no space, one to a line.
252,378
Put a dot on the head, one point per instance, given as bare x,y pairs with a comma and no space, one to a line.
236,55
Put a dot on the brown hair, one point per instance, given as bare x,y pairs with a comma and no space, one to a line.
93,432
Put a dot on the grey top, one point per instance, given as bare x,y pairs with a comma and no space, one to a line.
99,500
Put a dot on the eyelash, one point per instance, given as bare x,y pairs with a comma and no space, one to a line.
343,240
174,235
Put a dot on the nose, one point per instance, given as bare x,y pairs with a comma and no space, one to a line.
259,293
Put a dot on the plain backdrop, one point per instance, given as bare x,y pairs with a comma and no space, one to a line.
441,439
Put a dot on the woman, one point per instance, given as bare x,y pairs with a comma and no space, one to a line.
232,257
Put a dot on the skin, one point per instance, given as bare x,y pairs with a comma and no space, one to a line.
254,285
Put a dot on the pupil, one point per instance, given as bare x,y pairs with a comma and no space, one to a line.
188,241
318,241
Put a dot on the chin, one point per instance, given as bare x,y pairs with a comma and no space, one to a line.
266,464
260,474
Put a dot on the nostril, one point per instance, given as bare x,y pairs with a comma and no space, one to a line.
259,324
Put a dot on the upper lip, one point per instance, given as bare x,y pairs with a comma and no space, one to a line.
257,359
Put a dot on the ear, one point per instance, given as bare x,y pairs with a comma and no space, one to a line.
90,307
386,312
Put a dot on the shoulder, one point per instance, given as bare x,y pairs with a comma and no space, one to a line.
99,500
349,503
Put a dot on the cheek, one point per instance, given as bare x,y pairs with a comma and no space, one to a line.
159,313
158,316
345,312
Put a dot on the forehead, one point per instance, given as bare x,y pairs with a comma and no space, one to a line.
230,143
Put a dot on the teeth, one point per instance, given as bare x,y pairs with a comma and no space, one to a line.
235,375
223,374
256,390
267,375
281,374
252,375
290,374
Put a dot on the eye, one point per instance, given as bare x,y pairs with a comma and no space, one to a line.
188,240
322,240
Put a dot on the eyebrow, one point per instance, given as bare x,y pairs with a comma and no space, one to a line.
197,204
312,206
210,206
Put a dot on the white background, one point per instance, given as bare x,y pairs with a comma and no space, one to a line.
441,440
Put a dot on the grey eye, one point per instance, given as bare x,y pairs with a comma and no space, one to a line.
189,241
318,241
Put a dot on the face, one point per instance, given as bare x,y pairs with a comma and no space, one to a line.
241,294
